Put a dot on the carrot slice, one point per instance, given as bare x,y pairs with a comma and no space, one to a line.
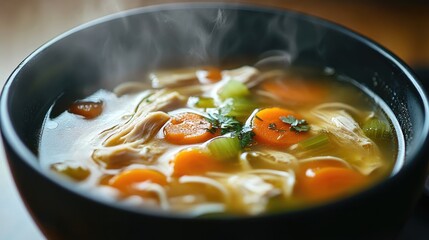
188,128
194,162
323,180
86,109
271,130
296,90
125,180
214,74
209,74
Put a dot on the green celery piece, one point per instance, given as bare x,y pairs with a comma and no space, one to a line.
377,129
240,107
225,148
233,89
314,142
205,102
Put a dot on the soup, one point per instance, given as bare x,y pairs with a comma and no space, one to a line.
241,141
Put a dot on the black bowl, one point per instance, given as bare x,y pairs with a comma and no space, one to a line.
105,52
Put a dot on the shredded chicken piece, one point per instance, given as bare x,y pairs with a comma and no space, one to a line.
173,78
146,121
343,126
194,89
279,157
244,74
364,154
269,75
271,157
147,128
287,179
128,142
252,191
141,131
126,154
130,87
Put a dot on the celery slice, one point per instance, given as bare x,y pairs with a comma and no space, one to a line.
205,102
315,142
233,89
225,148
377,129
239,107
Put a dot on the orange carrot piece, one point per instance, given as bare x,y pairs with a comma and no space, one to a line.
269,128
188,128
124,180
194,162
213,74
296,90
86,109
323,180
209,74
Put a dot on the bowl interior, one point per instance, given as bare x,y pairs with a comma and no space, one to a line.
122,47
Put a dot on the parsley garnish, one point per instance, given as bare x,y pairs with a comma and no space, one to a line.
298,125
246,136
273,126
228,124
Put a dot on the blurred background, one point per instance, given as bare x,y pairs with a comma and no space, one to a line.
400,26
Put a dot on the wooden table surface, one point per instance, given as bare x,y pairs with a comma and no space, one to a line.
401,26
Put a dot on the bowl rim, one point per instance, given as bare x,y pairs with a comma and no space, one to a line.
31,160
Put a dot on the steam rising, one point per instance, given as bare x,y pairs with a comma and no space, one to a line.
135,44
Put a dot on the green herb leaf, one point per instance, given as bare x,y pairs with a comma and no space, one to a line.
224,123
228,124
272,126
303,128
246,137
298,125
289,119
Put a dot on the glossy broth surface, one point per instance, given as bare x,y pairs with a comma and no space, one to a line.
207,140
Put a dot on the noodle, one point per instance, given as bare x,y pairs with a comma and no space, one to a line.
206,140
208,181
